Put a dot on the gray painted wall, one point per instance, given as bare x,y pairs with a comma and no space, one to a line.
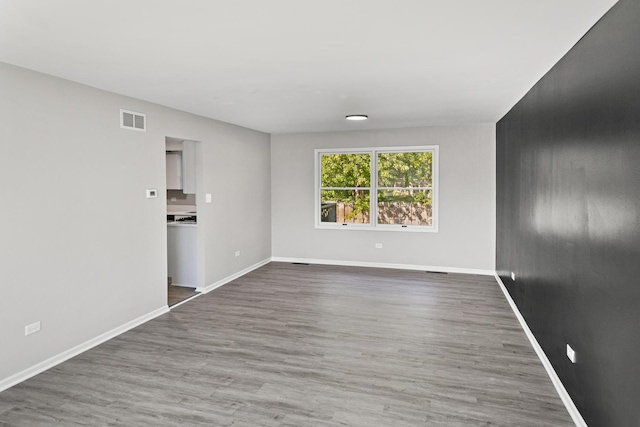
466,237
82,250
238,177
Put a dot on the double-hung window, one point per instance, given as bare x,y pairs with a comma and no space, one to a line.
393,188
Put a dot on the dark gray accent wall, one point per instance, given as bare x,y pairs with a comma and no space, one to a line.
568,216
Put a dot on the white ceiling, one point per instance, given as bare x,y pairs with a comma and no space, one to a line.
283,66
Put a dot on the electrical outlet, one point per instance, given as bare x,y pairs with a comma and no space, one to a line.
513,276
174,199
378,245
32,328
207,198
237,253
571,354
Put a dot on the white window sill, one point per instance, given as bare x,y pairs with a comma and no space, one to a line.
396,228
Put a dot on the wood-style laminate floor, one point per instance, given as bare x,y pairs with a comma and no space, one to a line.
176,294
296,345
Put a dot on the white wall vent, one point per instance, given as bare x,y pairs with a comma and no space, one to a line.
132,120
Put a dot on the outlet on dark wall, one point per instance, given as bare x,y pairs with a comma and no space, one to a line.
568,216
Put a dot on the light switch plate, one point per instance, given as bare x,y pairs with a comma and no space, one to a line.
207,198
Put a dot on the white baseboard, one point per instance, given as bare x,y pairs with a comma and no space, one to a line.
564,395
386,265
68,354
232,277
183,286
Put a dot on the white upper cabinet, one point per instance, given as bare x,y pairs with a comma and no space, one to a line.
174,170
188,167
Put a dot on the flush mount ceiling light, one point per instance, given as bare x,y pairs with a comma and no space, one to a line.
356,117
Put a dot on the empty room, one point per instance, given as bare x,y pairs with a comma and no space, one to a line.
296,213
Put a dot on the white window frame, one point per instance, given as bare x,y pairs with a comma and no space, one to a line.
373,195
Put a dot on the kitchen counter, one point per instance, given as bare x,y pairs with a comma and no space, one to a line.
181,210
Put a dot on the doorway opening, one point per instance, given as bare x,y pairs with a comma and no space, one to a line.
183,175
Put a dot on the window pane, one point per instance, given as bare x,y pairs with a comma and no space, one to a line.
346,170
405,169
408,207
340,206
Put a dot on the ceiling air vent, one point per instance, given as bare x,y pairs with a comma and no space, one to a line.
132,120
